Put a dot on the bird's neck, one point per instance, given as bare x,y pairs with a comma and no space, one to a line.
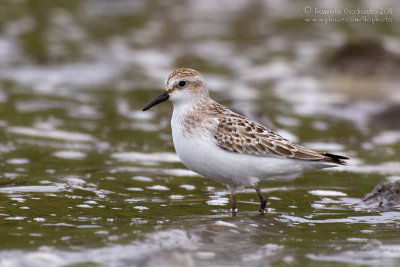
191,115
195,105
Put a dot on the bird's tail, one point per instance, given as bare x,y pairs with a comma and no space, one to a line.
337,159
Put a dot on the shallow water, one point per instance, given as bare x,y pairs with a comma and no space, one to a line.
88,179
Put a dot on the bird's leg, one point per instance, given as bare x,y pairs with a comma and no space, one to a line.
263,201
233,199
232,189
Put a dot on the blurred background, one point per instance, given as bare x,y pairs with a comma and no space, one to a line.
85,174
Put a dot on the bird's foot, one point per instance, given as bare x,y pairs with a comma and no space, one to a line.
263,203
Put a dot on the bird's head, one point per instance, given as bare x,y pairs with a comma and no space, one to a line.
182,86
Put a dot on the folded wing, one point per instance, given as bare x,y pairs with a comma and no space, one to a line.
237,134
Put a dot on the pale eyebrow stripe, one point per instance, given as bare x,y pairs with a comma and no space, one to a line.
174,81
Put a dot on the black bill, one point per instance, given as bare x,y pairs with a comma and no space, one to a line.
161,98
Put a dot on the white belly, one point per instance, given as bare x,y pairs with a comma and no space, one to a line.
200,154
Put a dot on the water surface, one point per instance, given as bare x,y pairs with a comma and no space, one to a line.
88,179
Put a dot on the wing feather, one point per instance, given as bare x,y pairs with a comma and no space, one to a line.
237,134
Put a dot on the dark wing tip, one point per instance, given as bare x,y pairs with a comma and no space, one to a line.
336,158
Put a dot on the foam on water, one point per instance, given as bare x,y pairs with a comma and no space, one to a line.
134,253
223,223
387,138
187,186
33,188
158,187
51,79
142,179
175,172
391,168
382,218
52,134
146,157
18,161
69,154
372,254
218,201
327,193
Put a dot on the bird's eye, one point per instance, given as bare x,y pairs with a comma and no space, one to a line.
182,83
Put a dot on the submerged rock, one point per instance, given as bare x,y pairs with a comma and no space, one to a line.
384,195
365,57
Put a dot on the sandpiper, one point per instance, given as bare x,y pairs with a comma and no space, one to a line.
217,143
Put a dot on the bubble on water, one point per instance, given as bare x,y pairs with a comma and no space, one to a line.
366,231
75,181
15,218
223,223
91,202
317,206
138,199
223,201
85,206
134,189
69,154
138,156
176,197
33,188
330,193
158,187
174,172
274,198
140,207
52,134
102,232
187,186
387,138
18,199
18,161
179,172
142,179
